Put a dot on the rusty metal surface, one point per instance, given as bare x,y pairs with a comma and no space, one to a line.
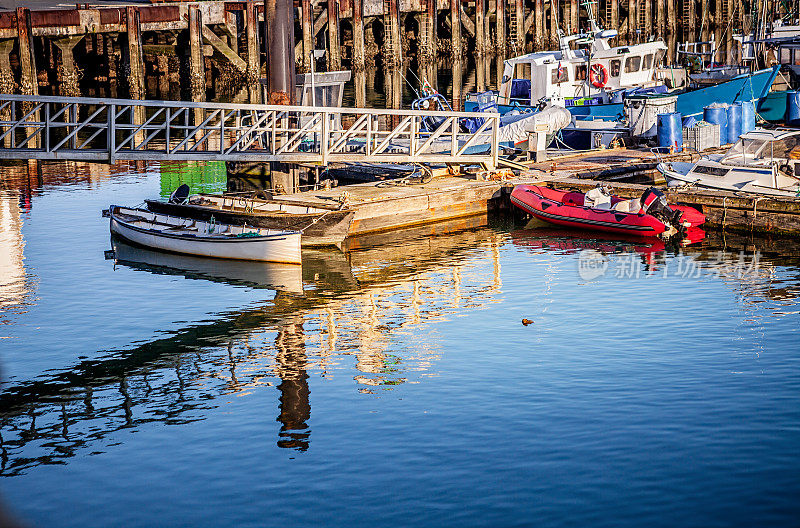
159,14
112,16
279,29
55,18
8,20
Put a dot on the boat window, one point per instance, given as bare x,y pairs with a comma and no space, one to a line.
648,61
714,171
745,150
580,72
613,68
632,64
560,77
786,148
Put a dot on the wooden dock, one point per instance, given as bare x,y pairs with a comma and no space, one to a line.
385,206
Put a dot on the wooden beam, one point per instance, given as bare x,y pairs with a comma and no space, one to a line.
222,48
466,22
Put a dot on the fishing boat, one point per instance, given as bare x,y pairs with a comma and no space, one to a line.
599,210
320,225
206,239
593,82
762,161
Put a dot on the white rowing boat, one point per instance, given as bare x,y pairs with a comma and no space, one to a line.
206,239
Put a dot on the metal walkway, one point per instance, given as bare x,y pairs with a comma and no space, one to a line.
105,130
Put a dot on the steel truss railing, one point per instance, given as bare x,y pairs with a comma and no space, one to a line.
92,129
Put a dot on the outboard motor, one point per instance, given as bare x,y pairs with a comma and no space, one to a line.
655,203
180,195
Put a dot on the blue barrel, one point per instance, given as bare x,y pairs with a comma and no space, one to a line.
734,122
748,116
717,115
793,108
689,122
669,131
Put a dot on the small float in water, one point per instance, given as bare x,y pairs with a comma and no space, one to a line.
599,210
205,239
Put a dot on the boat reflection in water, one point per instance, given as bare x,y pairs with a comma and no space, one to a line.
346,323
573,241
281,277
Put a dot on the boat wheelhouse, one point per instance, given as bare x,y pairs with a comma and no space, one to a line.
578,76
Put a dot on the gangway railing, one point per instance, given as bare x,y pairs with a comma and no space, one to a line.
94,129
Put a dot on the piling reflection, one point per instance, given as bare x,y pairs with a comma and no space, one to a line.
14,282
354,305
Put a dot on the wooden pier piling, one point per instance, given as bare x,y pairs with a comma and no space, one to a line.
82,41
307,21
334,62
455,28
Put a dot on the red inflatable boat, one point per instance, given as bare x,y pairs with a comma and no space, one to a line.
599,210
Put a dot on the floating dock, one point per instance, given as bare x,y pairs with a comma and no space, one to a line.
388,205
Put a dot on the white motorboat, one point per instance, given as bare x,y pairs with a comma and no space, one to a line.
206,239
762,162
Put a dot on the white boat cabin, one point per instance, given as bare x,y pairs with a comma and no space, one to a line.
765,147
597,71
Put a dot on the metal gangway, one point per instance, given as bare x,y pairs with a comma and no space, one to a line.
105,130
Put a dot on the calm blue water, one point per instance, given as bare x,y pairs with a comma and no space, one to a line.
391,386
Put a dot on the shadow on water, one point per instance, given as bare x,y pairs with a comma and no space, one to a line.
338,304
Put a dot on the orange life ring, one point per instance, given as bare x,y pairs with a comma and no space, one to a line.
598,75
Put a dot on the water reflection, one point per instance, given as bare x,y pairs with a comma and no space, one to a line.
282,277
14,285
354,305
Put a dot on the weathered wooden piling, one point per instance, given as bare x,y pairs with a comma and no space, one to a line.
539,25
455,28
358,63
307,21
252,50
135,56
334,62
27,62
480,27
574,16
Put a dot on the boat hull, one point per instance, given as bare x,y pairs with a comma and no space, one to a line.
282,247
319,229
563,209
535,200
679,173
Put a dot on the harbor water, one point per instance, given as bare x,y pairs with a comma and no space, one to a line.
391,385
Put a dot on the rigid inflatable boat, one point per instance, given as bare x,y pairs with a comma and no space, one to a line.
599,210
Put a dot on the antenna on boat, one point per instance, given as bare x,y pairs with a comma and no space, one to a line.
587,4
